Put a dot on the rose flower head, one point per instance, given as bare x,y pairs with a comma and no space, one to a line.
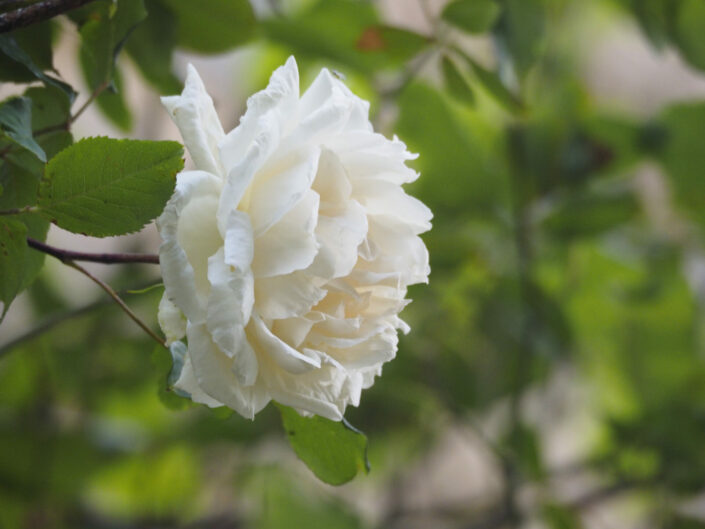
287,252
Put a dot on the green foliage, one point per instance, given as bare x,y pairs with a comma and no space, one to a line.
212,26
35,40
12,249
456,83
334,451
16,124
102,186
473,16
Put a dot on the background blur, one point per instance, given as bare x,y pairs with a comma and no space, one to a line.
555,372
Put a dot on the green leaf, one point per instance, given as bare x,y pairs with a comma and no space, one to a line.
334,451
168,365
212,26
35,40
50,107
491,82
522,30
113,105
103,187
456,83
395,45
13,246
16,123
473,16
103,36
347,32
690,31
151,46
9,46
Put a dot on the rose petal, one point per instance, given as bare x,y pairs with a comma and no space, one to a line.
177,271
380,197
290,244
194,115
287,296
229,309
187,383
285,356
214,374
171,320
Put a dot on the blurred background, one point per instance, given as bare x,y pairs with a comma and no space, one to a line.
554,376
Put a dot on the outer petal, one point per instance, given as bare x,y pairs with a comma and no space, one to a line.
229,308
214,374
194,114
178,274
187,383
171,320
239,244
381,197
290,244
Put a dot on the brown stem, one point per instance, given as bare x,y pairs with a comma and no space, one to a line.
117,300
25,16
105,258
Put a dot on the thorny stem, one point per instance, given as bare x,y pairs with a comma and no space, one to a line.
105,258
117,300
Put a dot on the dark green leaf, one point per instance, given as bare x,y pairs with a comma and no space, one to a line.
168,365
50,107
9,46
151,46
334,451
456,83
103,186
35,40
112,102
13,246
212,26
102,37
522,29
16,124
473,16
560,517
690,31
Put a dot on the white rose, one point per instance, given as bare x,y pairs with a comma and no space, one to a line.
286,254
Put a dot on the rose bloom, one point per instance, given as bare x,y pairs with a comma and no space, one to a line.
287,252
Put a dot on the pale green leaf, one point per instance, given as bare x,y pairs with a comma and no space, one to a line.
103,186
334,451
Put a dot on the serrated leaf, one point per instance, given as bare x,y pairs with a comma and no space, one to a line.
9,46
16,124
13,245
212,26
473,16
103,186
456,83
334,451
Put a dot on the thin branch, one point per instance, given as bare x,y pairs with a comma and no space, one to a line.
117,300
66,125
18,211
105,258
57,319
32,14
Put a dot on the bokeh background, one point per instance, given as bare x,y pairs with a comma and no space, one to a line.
555,372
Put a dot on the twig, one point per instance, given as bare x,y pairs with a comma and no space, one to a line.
25,16
66,125
105,258
17,211
117,300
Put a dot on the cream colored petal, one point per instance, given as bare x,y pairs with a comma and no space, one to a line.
229,309
214,374
287,296
380,197
171,320
290,244
285,356
177,271
187,383
194,115
239,241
